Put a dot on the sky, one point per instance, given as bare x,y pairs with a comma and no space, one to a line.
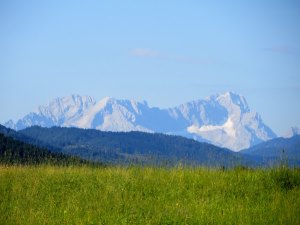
164,52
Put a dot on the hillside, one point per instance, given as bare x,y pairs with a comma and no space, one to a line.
19,153
130,147
277,149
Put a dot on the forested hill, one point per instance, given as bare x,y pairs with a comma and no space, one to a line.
130,147
278,148
19,153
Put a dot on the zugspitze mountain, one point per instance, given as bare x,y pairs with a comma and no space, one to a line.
224,120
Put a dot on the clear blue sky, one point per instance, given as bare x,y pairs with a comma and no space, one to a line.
166,52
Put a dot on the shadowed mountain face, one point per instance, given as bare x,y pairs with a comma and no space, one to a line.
129,147
224,120
281,148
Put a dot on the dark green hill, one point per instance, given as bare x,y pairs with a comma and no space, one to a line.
7,131
19,153
130,147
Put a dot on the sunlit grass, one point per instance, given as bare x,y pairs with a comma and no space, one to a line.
116,195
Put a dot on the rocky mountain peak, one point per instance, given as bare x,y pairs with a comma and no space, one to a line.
224,119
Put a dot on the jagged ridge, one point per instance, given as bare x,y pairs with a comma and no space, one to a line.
224,120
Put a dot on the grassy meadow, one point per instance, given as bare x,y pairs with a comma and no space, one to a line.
134,195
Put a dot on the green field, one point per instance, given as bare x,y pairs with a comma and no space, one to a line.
113,195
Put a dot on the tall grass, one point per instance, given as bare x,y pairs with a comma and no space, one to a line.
115,195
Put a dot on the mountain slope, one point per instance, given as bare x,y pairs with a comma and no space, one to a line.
17,152
278,148
59,112
131,147
224,120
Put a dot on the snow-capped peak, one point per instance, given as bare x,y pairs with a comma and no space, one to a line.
69,104
224,119
231,98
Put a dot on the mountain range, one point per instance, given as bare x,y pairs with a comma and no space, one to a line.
224,119
141,148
